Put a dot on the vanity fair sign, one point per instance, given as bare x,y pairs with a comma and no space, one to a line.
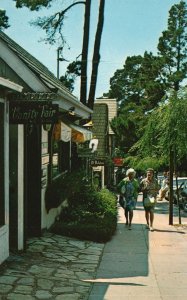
32,112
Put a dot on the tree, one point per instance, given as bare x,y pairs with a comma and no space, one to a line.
166,130
96,55
138,82
53,26
84,62
73,70
172,46
3,20
141,85
138,91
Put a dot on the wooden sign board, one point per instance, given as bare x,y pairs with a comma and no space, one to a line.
32,112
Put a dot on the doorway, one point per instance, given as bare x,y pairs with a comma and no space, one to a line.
32,171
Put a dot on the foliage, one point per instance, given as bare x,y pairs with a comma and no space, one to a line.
175,136
3,20
64,187
33,4
127,126
68,82
138,92
141,164
137,82
91,215
73,70
172,46
53,26
166,129
141,88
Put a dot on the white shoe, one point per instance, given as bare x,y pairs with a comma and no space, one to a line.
147,226
151,229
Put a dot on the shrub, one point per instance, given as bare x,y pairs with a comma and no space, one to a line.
63,187
91,215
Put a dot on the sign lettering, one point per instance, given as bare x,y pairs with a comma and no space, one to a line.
37,112
97,162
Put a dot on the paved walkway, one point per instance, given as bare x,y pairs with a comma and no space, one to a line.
134,264
140,264
53,267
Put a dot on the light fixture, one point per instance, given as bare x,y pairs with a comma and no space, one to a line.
89,124
47,127
71,111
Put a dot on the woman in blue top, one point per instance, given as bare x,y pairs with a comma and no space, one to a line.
128,188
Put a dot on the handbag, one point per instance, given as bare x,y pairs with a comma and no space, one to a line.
149,201
122,201
123,189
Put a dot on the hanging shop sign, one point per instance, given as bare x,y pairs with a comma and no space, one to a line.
118,161
33,112
97,162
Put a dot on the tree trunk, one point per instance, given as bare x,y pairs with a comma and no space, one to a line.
96,55
83,87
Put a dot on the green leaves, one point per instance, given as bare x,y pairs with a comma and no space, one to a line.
32,4
172,46
3,20
167,129
147,124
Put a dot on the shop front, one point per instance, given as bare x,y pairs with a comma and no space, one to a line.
6,87
33,157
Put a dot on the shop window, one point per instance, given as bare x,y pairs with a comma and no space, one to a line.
2,173
60,158
64,156
55,159
60,151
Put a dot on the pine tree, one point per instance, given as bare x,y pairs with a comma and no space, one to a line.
172,47
3,20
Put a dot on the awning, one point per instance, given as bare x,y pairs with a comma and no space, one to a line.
65,132
80,134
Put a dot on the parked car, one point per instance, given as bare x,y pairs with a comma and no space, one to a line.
184,196
180,181
160,179
181,198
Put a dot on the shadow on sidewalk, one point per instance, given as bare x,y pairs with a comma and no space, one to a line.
126,259
170,231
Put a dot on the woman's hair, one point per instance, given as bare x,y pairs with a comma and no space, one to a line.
131,171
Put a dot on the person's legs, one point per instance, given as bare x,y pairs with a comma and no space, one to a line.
151,219
126,216
147,217
130,217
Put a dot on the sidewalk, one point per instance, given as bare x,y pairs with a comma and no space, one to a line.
136,264
140,264
53,267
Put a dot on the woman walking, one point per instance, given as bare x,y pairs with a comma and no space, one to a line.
128,189
150,187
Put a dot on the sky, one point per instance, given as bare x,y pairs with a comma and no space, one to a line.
131,27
